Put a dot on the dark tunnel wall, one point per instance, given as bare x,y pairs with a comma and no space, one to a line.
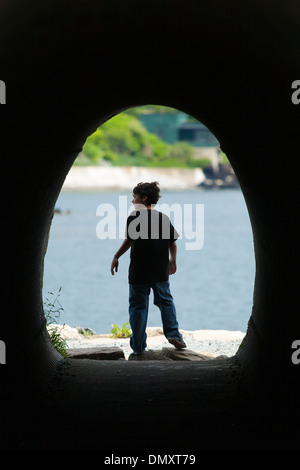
68,66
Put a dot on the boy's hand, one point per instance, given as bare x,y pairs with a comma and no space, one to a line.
172,267
173,251
123,248
114,265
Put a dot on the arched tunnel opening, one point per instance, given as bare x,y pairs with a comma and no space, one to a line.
213,286
55,103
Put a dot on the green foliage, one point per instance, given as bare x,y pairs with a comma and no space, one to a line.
124,141
150,109
122,135
52,311
199,162
120,331
180,151
223,158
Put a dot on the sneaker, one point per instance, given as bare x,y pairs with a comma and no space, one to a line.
136,356
137,353
178,343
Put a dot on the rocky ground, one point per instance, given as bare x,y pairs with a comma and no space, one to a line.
201,345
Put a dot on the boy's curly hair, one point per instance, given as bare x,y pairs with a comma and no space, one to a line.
150,190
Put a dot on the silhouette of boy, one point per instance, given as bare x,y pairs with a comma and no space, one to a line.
151,237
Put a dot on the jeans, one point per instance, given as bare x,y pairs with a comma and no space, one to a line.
138,312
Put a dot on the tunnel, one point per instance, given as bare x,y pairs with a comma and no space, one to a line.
67,68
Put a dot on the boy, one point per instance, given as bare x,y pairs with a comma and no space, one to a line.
151,237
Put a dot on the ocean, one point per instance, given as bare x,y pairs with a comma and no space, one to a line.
213,285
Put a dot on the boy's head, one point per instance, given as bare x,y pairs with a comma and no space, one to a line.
149,191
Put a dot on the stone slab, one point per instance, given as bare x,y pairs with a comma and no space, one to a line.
184,355
99,353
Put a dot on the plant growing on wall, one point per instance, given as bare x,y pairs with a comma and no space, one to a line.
52,311
120,331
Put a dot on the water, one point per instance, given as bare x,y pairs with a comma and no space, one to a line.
212,288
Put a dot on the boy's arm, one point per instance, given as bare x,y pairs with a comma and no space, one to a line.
123,248
173,254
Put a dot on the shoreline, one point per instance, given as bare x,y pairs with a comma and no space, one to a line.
125,178
212,343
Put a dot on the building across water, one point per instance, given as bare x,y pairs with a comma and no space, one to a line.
179,127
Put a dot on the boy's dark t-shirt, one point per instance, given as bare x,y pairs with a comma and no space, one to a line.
151,232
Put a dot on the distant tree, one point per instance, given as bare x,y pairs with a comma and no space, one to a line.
123,134
123,140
